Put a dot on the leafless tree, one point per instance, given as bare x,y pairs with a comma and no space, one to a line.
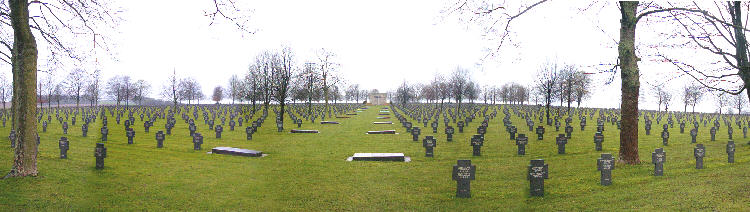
189,89
75,84
581,87
218,94
171,89
722,100
92,89
141,89
234,88
545,86
739,101
6,89
59,93
251,88
459,83
663,96
283,72
328,74
116,88
310,85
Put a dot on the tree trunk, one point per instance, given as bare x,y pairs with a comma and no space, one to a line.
630,84
24,56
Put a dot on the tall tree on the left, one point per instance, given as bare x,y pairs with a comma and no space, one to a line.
23,61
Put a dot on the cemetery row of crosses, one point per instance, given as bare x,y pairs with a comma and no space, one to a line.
469,118
421,111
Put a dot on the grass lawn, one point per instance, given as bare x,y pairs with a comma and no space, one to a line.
309,172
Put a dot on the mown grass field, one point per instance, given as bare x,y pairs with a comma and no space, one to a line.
309,172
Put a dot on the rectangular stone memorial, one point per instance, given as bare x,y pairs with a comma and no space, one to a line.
303,131
379,157
382,132
236,151
382,122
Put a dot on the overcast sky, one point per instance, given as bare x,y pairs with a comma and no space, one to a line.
379,44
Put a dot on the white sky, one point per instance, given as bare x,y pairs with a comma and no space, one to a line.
379,44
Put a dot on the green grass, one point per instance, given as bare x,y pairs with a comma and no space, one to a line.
309,172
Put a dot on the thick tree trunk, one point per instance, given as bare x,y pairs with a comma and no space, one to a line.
24,56
630,84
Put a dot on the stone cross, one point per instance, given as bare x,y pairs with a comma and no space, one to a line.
232,124
160,139
64,146
168,127
537,172
744,132
249,132
146,125
44,126
730,131
100,152
583,125
693,134
460,125
658,157
449,133
476,143
730,152
648,127
415,131
218,129
539,133
682,127
512,132
463,174
598,139
65,127
408,126
665,137
561,140
197,141
713,133
434,126
521,142
481,130
568,131
104,132
85,129
605,164
192,129
12,138
699,152
429,144
131,134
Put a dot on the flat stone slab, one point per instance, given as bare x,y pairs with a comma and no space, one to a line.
328,122
351,114
383,122
383,114
342,117
304,131
384,111
399,157
383,117
382,132
236,151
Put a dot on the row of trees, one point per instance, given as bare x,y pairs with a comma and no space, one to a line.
565,83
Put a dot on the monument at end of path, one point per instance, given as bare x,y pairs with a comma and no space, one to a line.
375,98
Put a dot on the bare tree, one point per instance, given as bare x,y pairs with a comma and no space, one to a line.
234,87
663,97
251,88
739,101
59,93
581,87
75,84
722,100
92,89
281,77
171,89
189,89
218,94
327,72
141,90
6,87
310,84
459,83
547,77
115,88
